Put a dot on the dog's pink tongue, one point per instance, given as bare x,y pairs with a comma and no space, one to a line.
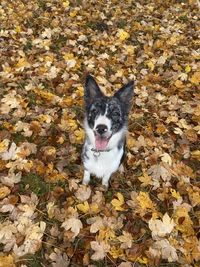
101,143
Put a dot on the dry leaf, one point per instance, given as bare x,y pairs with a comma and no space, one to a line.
100,248
117,203
73,224
126,240
83,193
161,228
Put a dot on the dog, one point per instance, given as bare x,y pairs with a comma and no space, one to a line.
105,127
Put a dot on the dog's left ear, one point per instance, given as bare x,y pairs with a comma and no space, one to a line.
92,90
125,94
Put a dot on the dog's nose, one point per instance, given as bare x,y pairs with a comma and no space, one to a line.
101,129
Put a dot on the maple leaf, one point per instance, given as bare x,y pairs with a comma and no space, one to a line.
126,240
11,153
116,252
165,157
123,35
145,179
159,171
4,191
196,154
161,228
165,249
84,207
51,209
11,179
36,231
83,193
59,259
21,64
100,248
144,201
73,224
195,79
7,231
183,222
4,145
96,224
118,202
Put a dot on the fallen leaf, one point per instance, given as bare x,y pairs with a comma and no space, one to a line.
161,228
100,248
118,202
73,224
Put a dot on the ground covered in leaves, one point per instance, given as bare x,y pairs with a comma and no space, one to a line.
150,214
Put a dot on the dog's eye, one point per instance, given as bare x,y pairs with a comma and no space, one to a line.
94,111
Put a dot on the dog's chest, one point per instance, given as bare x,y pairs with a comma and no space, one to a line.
103,164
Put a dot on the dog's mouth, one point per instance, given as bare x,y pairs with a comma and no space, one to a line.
101,142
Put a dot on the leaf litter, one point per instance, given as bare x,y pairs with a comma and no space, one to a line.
150,214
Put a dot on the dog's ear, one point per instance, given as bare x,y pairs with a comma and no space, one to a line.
92,90
125,94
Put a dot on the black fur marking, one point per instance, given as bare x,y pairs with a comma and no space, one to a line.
117,106
84,154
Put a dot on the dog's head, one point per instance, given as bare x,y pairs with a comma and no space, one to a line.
106,117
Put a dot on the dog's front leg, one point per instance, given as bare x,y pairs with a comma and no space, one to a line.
105,180
86,177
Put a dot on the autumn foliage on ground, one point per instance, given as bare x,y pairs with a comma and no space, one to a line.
150,214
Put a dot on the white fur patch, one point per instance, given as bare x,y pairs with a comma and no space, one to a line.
105,164
102,119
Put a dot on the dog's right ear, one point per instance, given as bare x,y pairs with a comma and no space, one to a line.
92,90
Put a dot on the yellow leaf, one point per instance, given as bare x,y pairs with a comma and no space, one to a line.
123,35
179,84
187,68
150,65
4,145
79,134
84,207
68,56
73,13
183,222
195,79
116,252
4,191
94,208
144,201
106,234
196,154
130,49
18,29
175,194
117,203
145,179
65,4
22,63
7,261
142,260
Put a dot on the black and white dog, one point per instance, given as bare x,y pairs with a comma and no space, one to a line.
105,127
